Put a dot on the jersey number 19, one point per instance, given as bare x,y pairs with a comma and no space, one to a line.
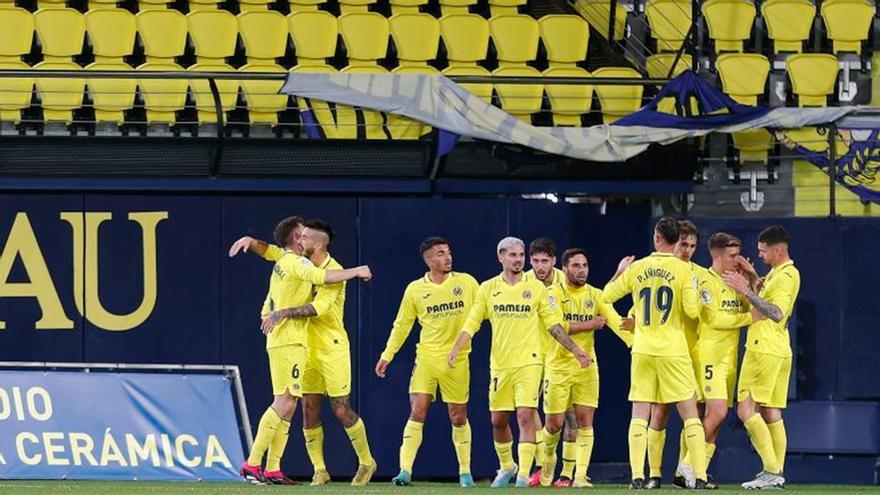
662,299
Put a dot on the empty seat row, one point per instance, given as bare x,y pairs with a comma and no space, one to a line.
447,7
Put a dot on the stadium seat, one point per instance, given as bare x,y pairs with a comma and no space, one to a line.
144,5
847,23
618,101
455,7
466,38
51,4
743,76
670,21
163,33
61,32
520,100
365,36
658,68
753,145
16,37
406,6
504,7
813,77
102,4
366,40
417,38
315,34
515,38
788,23
355,6
112,33
213,34
568,101
566,39
200,5
264,34
598,14
730,23
249,5
304,5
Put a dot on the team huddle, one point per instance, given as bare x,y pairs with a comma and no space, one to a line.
683,329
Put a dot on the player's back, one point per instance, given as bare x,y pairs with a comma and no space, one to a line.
663,292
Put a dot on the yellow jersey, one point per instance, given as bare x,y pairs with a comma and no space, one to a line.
580,304
663,289
326,330
441,310
290,285
724,313
519,314
555,289
692,325
781,287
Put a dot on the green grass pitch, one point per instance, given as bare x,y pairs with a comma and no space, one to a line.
171,488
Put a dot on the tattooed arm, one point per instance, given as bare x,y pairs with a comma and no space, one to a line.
271,320
563,338
741,285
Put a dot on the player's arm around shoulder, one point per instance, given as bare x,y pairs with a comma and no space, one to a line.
688,283
621,284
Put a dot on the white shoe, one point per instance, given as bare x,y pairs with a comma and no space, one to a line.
765,481
687,472
504,477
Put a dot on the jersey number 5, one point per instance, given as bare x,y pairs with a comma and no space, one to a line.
662,300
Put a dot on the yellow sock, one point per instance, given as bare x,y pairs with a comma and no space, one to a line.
710,452
505,454
461,438
682,448
548,468
265,433
763,442
412,439
569,458
357,433
656,442
695,438
780,442
539,448
277,446
526,453
315,447
584,451
638,447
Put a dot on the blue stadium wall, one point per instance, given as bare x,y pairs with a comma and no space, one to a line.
204,310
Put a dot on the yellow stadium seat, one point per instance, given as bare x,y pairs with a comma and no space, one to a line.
566,38
201,5
670,21
51,4
813,77
61,32
456,7
249,5
730,23
16,36
365,36
753,145
264,34
314,36
658,68
417,38
515,38
406,6
520,100
102,4
618,101
743,76
598,14
505,7
112,34
304,5
144,5
355,6
213,34
401,127
788,23
163,33
466,38
847,23
373,121
339,122
568,101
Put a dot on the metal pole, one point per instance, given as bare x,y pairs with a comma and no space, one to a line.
218,108
612,17
832,170
680,51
